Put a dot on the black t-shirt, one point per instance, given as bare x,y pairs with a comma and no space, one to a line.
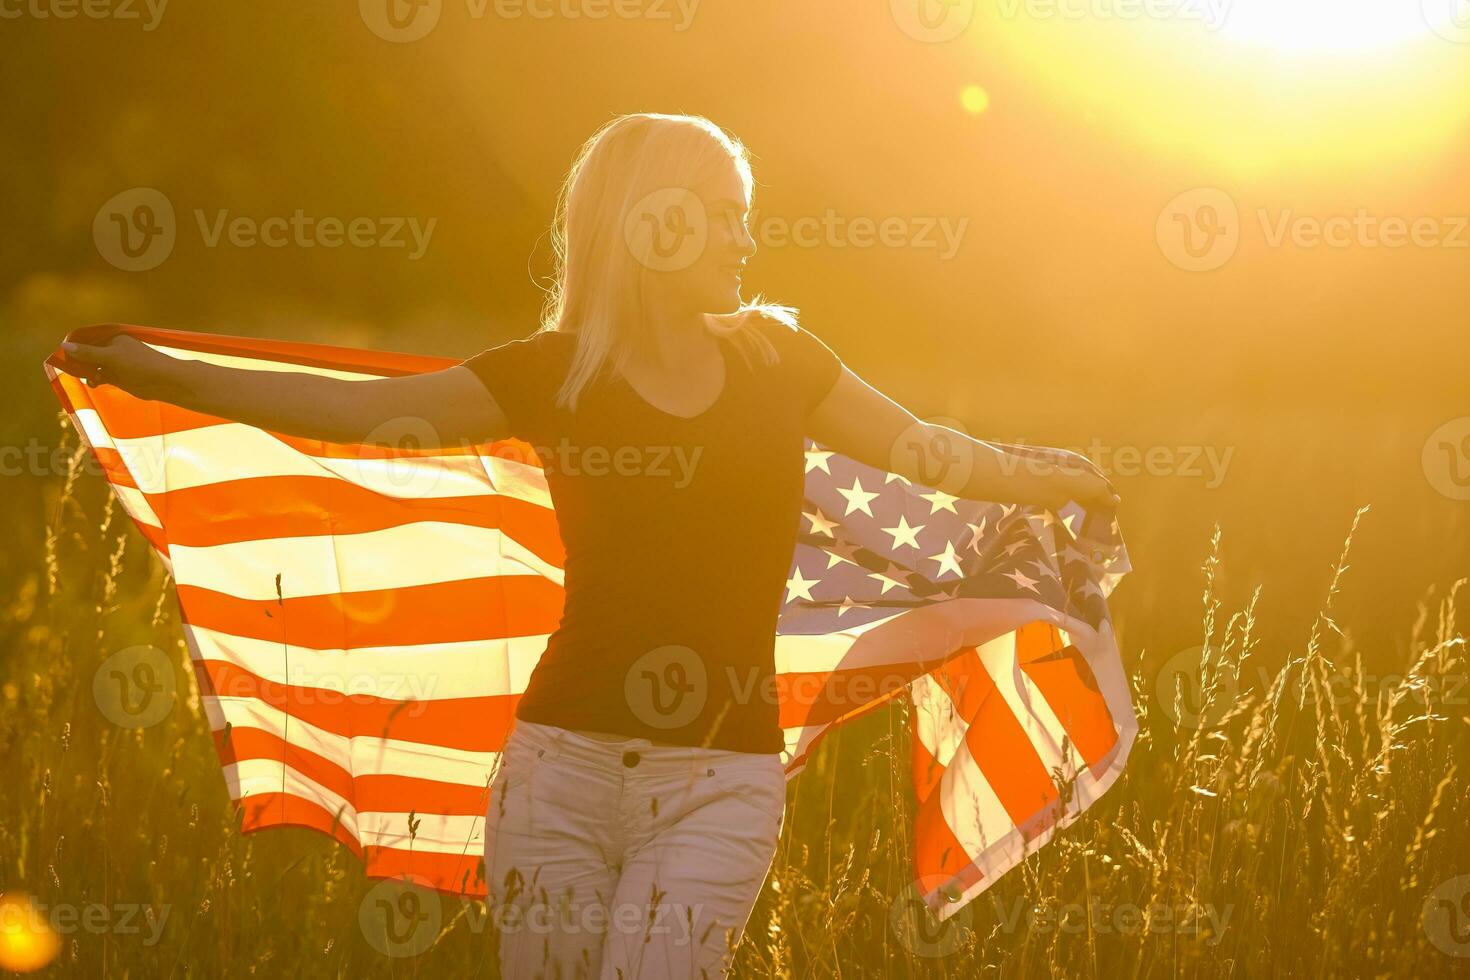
678,534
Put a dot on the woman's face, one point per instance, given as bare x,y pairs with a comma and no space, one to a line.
697,243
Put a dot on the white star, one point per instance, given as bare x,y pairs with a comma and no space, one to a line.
847,604
903,535
946,560
1043,569
1023,582
857,498
1013,547
798,587
816,459
840,551
820,523
939,500
890,477
887,577
976,532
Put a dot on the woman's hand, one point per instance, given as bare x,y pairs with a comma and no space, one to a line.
123,361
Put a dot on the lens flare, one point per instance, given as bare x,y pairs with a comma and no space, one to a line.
27,941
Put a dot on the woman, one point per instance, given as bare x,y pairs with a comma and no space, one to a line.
639,799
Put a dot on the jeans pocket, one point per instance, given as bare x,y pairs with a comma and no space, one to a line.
524,751
758,783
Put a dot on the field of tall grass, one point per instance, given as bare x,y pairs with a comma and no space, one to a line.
1284,812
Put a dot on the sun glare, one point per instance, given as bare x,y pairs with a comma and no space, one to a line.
1258,86
1324,25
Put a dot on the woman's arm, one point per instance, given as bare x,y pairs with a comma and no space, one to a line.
859,421
452,401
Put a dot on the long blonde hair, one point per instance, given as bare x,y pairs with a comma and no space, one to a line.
597,290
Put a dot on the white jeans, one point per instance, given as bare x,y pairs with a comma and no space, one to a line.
626,860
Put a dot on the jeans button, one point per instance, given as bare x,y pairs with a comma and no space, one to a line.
630,759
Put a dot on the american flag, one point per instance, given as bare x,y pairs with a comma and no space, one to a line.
362,619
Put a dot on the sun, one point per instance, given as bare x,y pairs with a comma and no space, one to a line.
1325,25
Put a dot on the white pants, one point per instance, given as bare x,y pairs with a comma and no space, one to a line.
626,860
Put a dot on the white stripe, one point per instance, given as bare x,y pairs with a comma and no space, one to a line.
136,505
258,362
360,754
939,727
258,777
421,553
424,672
234,451
974,813
436,832
90,426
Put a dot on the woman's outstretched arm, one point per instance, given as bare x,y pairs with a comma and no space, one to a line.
452,401
859,421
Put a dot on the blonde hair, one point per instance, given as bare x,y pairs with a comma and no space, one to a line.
597,290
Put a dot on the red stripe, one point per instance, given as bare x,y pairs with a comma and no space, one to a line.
469,724
445,612
1006,756
266,507
1069,686
263,810
283,351
937,851
455,873
827,697
369,792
